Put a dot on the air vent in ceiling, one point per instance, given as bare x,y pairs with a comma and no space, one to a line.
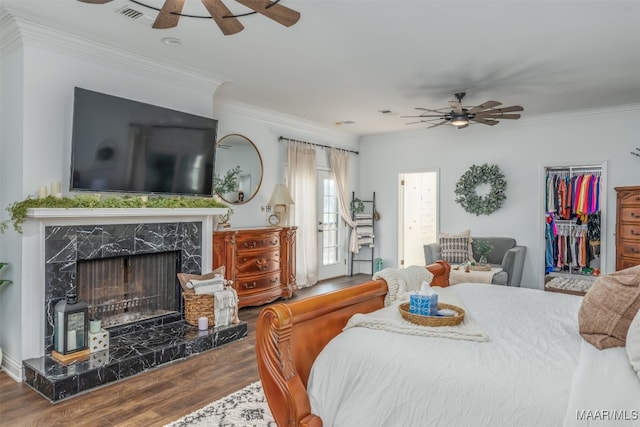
135,15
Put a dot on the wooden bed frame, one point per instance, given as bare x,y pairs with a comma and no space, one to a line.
289,337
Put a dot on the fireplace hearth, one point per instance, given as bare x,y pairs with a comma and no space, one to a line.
144,318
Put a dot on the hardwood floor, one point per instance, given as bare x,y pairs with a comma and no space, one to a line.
157,397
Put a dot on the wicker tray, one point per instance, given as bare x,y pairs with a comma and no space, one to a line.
198,305
486,267
419,319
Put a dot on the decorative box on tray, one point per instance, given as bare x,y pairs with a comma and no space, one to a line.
425,305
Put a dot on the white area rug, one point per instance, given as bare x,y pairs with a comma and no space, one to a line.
571,284
246,407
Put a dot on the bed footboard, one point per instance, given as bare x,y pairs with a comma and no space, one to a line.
289,337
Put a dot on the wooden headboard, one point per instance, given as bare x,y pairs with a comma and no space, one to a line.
289,337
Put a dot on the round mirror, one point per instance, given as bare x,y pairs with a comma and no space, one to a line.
238,169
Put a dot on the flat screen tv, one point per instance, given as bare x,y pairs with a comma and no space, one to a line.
120,145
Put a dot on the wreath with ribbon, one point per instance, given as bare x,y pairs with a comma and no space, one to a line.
467,196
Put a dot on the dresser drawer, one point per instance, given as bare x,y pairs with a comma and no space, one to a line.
624,262
630,200
630,214
250,284
256,262
257,240
629,248
630,231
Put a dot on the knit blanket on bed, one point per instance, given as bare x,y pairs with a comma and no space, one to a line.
401,281
389,319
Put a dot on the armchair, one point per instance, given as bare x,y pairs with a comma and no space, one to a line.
505,254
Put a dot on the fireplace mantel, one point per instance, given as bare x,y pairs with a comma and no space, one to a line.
77,213
33,251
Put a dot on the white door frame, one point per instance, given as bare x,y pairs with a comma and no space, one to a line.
417,256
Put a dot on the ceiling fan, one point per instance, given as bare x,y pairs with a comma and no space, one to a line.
460,116
228,22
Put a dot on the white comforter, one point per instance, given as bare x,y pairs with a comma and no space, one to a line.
521,376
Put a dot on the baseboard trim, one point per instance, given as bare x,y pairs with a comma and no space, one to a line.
12,367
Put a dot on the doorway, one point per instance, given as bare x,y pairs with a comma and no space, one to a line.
417,215
331,230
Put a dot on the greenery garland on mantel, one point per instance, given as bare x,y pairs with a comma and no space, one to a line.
18,210
469,199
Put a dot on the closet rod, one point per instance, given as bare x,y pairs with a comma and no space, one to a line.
566,168
282,138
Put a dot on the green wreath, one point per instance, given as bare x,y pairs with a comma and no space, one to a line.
469,199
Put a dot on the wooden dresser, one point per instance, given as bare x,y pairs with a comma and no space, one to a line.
627,227
260,261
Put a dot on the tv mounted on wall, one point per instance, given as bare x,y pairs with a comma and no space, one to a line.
126,146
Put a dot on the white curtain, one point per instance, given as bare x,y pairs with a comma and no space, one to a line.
339,162
302,181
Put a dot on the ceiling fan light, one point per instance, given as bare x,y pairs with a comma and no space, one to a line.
459,120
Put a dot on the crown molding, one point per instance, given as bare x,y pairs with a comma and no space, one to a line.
25,30
228,107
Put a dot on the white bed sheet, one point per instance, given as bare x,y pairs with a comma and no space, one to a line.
605,390
522,376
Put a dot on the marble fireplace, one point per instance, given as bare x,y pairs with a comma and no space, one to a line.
105,254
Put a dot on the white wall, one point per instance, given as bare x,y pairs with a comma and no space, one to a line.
521,149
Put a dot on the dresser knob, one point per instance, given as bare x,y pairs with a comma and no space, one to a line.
262,264
274,280
252,245
250,285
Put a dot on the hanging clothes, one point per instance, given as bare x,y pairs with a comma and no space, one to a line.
572,229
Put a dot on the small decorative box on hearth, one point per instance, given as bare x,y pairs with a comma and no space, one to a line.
98,341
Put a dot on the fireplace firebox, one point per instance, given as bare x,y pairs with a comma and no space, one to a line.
128,289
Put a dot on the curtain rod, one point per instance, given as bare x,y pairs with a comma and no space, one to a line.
282,138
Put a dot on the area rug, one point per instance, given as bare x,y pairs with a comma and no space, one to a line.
244,408
572,284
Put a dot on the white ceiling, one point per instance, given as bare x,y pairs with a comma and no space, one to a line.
347,60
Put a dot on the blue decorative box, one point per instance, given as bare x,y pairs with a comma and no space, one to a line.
425,305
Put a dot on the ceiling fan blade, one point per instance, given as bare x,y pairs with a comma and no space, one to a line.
423,115
428,110
498,116
485,121
95,1
505,109
218,11
488,104
281,14
167,17
457,106
438,124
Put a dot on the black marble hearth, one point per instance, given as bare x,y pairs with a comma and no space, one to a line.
133,349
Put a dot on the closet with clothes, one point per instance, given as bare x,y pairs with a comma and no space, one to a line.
574,203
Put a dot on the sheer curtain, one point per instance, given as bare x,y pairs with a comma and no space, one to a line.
302,181
339,162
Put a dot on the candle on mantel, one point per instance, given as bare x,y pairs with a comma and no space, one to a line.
55,188
42,193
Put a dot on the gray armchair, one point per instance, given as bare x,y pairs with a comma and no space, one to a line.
505,254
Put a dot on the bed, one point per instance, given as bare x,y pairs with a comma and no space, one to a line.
518,367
